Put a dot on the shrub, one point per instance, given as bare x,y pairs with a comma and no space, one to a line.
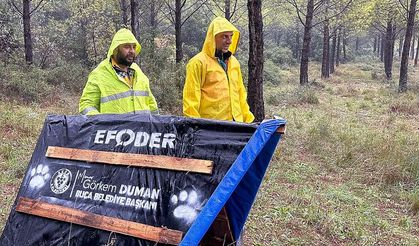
190,50
271,73
281,56
305,96
166,78
365,67
272,98
167,88
69,76
374,75
24,83
366,62
408,107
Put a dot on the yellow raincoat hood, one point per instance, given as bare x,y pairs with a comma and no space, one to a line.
212,91
219,25
123,36
106,93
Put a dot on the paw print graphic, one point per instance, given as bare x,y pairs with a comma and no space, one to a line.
39,175
186,205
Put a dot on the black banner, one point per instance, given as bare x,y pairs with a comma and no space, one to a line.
156,197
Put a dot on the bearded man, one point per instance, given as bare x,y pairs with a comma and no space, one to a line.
117,85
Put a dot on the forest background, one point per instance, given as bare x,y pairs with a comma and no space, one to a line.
342,72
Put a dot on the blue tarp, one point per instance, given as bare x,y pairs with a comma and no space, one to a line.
237,190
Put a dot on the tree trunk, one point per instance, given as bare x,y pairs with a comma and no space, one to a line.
153,15
338,49
313,48
357,44
417,54
96,55
27,34
135,22
379,45
227,13
84,55
393,42
178,30
326,47
345,43
153,27
332,53
388,55
297,45
382,48
124,12
400,45
412,48
255,85
375,45
405,54
306,43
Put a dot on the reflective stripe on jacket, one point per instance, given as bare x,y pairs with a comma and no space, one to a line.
106,93
209,91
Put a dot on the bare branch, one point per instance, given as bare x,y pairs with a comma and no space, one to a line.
218,6
11,3
404,6
234,9
316,7
193,12
159,21
183,4
297,8
170,16
337,14
170,6
37,6
191,6
167,28
210,10
319,3
380,28
158,9
239,16
209,18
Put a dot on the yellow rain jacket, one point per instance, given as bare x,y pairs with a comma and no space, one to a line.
106,93
209,91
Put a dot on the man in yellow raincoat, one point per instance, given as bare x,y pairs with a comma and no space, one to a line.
117,85
214,85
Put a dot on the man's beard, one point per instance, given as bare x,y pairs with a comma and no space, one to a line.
123,60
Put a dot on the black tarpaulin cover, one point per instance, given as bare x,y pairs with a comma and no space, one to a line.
178,200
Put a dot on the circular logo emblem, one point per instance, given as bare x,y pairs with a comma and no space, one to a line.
60,181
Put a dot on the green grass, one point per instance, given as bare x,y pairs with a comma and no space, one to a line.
20,126
345,173
347,170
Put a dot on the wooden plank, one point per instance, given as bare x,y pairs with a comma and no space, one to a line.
220,232
129,159
281,129
71,215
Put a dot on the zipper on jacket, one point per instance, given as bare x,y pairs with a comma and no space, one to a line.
228,83
131,88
